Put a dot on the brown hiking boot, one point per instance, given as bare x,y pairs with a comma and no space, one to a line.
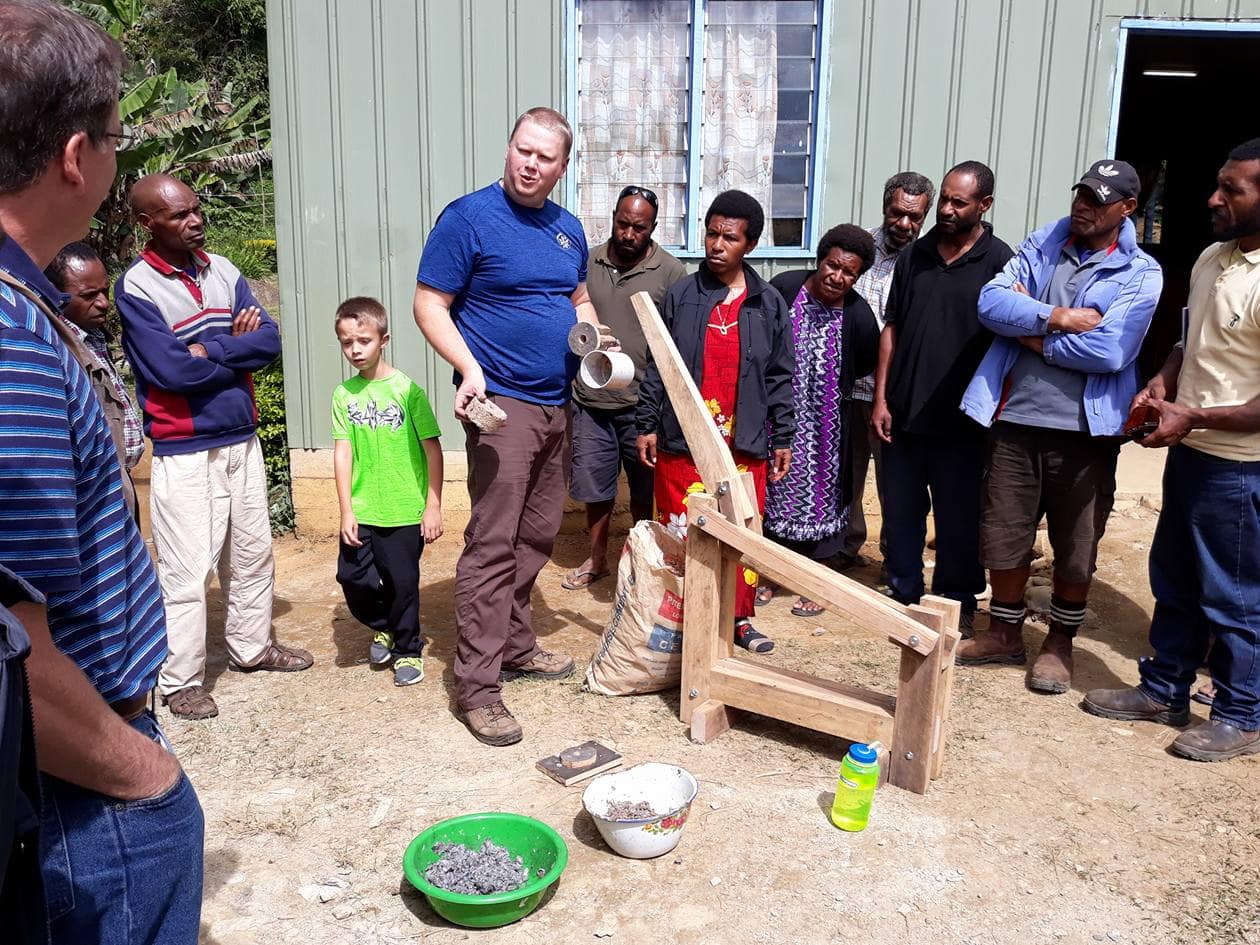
1003,642
542,665
192,703
1132,705
493,724
1216,740
1052,670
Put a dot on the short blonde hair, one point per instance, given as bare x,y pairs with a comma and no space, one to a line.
363,308
550,119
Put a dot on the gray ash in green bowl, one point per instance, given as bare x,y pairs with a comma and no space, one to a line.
490,869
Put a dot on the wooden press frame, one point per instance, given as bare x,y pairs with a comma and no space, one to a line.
723,537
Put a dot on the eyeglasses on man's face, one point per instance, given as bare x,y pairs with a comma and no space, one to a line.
125,137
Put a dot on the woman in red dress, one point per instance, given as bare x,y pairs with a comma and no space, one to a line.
734,333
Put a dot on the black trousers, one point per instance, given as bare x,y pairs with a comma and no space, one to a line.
943,474
381,581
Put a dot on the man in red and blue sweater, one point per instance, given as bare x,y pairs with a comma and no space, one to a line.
193,333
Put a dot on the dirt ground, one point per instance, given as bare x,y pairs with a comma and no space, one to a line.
1049,825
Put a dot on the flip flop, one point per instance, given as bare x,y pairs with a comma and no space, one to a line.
752,640
765,594
571,583
805,607
1204,695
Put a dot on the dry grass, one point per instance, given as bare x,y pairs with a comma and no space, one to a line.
1050,826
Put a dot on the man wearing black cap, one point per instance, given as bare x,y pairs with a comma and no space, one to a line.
1070,311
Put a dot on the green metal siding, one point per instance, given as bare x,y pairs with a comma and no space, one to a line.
384,111
1025,87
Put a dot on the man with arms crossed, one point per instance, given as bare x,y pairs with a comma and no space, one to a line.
501,281
193,333
122,830
1070,311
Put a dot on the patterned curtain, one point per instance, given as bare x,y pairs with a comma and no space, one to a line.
632,110
741,106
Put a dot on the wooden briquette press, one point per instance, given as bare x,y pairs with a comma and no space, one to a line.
723,537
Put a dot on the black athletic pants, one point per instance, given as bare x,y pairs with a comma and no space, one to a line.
381,581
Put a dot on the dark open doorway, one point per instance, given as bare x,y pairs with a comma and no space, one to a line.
1184,103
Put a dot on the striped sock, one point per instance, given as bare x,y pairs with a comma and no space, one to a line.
1007,611
1066,616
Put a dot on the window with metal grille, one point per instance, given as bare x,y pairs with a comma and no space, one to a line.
692,97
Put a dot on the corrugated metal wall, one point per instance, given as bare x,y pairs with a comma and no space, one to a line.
1023,86
385,110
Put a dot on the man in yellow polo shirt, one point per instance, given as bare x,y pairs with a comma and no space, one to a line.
1205,557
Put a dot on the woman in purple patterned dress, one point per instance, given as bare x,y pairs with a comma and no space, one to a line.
837,341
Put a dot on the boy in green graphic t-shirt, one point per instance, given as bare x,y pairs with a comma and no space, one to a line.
387,462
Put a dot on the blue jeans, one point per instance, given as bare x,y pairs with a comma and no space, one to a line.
122,871
941,474
1205,575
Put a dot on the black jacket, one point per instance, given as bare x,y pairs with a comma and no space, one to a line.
764,416
861,332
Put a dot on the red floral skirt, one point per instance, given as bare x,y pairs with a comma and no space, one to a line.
677,478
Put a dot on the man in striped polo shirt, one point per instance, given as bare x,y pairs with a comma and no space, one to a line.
193,333
121,827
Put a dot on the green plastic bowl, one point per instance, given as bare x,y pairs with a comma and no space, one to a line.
538,846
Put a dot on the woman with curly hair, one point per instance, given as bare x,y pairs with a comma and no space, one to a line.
836,340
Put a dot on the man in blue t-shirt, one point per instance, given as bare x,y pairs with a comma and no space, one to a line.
502,280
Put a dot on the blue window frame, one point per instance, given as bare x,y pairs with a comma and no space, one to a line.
690,97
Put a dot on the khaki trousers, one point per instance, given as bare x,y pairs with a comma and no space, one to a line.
209,511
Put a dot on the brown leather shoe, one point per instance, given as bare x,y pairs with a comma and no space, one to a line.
278,658
1132,705
1052,670
191,703
1216,740
493,724
1003,642
542,665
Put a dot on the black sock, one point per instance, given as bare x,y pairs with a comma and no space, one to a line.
1066,616
1007,611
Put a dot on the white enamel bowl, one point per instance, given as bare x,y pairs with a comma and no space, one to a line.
667,789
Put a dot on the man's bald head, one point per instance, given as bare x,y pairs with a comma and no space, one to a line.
152,192
169,209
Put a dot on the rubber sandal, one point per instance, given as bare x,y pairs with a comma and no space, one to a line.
1204,695
751,639
805,607
571,583
765,594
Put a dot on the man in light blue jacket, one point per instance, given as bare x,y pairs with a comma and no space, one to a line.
1070,311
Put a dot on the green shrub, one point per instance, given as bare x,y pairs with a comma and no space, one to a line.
272,434
254,257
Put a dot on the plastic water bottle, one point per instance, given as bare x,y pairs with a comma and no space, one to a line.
859,775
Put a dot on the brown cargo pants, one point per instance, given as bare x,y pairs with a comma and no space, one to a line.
517,483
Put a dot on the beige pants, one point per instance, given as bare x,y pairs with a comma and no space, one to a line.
209,510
